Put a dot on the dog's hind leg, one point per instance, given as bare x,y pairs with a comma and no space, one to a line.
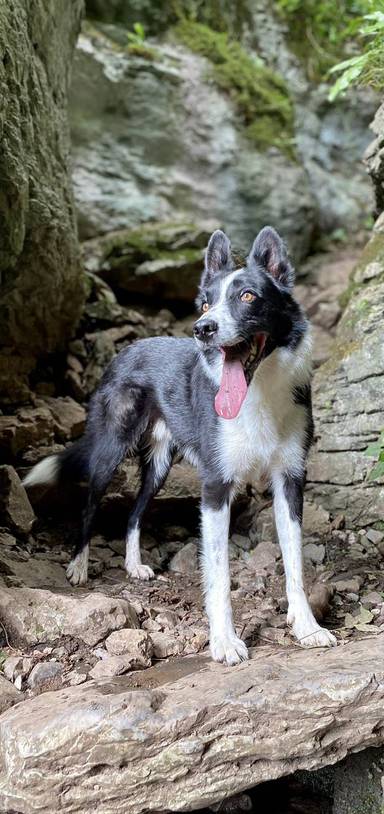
153,475
288,506
225,645
106,456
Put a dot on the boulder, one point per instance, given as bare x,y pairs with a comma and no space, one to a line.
163,260
185,560
281,711
15,509
31,615
39,258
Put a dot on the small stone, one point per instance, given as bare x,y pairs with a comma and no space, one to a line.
372,599
135,644
314,553
165,645
12,666
374,536
75,678
46,672
167,619
245,543
7,540
263,557
348,585
185,561
338,522
114,666
352,597
15,508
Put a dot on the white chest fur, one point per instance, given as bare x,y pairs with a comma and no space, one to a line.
268,433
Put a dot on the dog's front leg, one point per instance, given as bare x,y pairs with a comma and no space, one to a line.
215,513
288,506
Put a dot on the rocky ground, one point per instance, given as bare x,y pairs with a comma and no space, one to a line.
54,637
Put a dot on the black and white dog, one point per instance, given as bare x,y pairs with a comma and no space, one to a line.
235,401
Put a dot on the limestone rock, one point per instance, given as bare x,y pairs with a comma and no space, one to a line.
45,674
39,260
9,695
134,643
15,508
349,410
185,560
282,711
31,615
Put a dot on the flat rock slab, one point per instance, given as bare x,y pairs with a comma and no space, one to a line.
187,734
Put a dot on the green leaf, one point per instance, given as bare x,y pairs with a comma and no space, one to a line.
377,471
139,30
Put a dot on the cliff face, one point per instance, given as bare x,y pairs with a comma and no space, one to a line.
348,392
41,285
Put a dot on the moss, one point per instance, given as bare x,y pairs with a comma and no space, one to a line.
372,253
260,95
140,49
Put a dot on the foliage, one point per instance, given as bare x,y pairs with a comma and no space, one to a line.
137,43
366,68
259,94
320,30
376,451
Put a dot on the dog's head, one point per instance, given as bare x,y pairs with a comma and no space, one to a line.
249,311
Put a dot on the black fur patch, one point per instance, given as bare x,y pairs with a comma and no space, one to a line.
293,490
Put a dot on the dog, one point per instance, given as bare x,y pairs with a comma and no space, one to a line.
234,401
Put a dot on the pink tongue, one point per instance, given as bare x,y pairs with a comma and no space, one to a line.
233,389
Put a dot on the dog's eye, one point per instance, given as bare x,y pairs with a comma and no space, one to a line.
247,296
205,306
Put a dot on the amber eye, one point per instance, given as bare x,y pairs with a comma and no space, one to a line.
205,306
247,296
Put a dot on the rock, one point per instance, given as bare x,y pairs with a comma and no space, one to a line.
358,783
185,560
374,536
314,553
9,695
345,585
304,691
349,413
193,158
372,599
31,615
117,665
320,600
263,557
39,260
29,426
316,519
68,417
15,508
136,644
161,260
165,645
12,667
45,674
242,542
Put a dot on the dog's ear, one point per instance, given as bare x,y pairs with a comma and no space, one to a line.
269,251
217,255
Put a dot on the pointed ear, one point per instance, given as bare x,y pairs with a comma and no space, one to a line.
269,251
217,255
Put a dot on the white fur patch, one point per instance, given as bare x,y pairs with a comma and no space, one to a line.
133,565
160,448
269,431
46,471
224,643
304,626
77,571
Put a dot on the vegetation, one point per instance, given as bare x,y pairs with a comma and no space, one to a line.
376,451
320,31
259,94
366,68
137,44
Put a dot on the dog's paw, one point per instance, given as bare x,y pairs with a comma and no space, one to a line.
317,637
229,649
141,571
77,571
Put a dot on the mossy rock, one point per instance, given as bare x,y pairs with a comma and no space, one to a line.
160,259
260,95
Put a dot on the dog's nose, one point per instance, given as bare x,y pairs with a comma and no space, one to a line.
204,329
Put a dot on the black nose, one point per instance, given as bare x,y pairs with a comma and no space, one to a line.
204,329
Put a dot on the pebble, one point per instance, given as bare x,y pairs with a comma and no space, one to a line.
375,536
44,673
314,553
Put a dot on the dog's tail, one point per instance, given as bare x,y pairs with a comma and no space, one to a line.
69,465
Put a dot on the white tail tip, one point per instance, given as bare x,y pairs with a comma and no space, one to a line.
46,471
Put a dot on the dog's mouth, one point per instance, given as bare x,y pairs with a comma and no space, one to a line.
239,364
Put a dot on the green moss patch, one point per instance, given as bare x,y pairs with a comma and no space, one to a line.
260,95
